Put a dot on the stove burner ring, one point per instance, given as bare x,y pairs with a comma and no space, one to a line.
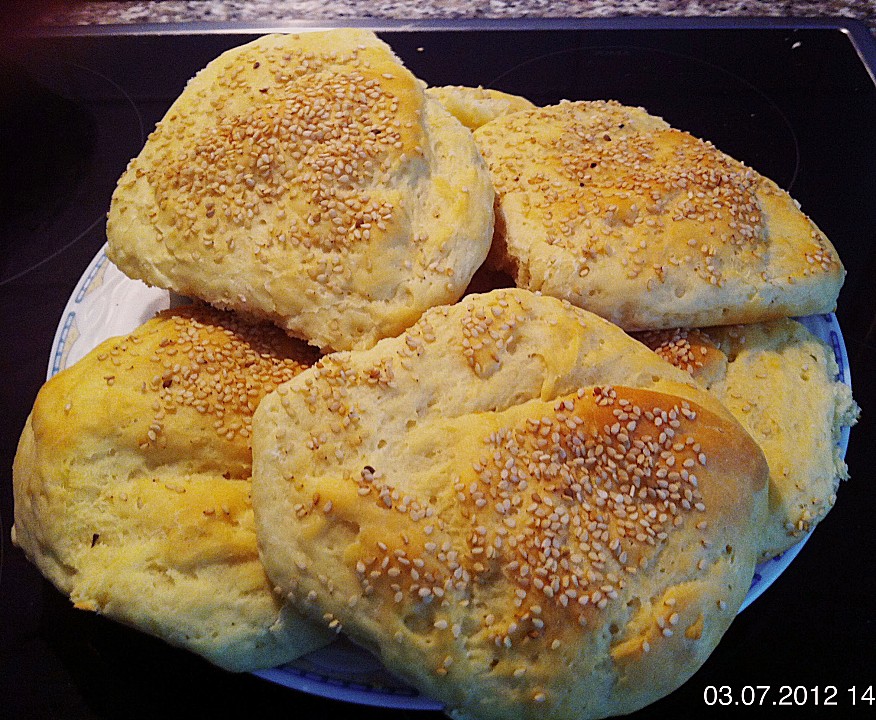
61,193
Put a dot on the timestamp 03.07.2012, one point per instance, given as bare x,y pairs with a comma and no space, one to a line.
790,696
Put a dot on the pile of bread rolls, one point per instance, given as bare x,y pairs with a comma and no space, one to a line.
541,490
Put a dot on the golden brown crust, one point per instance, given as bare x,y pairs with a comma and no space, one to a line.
690,349
308,180
526,539
780,381
132,490
615,211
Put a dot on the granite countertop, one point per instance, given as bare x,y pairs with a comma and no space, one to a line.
108,12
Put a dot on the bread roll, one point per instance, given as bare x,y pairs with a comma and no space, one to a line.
780,381
132,486
611,209
524,512
476,106
307,180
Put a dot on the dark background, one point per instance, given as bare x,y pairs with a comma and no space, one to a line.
793,100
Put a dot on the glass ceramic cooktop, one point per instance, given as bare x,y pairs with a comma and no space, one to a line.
797,103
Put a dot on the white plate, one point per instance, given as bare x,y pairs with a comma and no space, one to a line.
107,303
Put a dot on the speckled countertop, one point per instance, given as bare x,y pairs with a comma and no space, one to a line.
106,12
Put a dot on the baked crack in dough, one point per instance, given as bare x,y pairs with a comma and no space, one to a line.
780,381
613,210
476,106
307,180
523,511
132,486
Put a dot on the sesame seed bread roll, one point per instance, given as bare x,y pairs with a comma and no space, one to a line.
780,381
476,106
523,511
307,180
613,210
132,486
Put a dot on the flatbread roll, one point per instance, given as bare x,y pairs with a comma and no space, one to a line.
780,381
132,486
524,512
307,180
613,210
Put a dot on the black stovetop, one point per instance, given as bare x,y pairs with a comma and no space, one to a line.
795,100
